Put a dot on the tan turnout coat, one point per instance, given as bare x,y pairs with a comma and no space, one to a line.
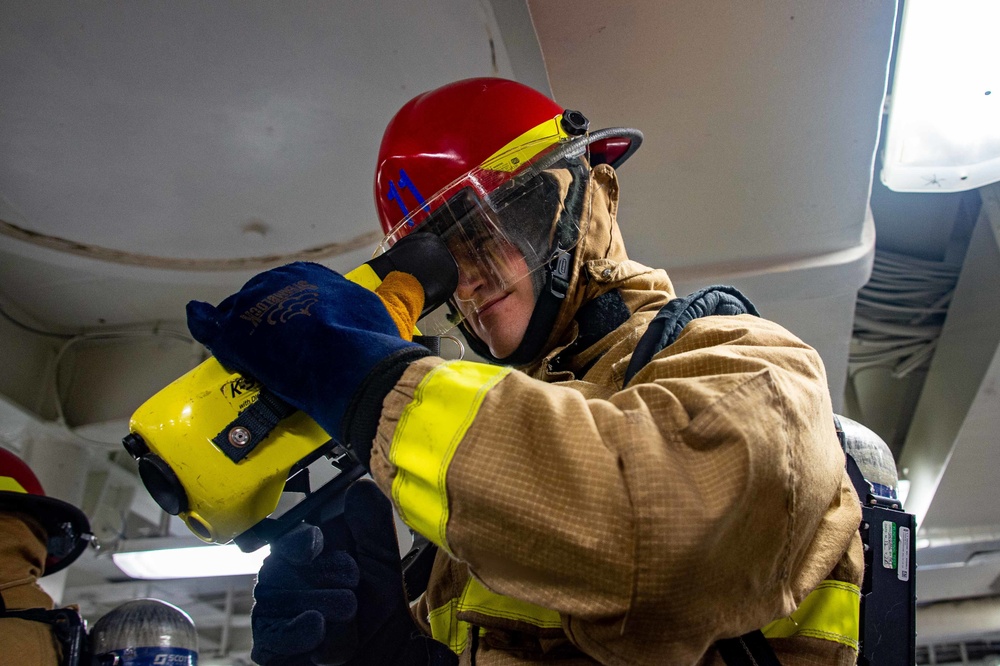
22,558
632,525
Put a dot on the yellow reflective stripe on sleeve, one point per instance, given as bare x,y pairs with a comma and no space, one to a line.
428,433
480,600
831,612
448,629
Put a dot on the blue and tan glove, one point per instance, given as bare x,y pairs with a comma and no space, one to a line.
335,595
315,339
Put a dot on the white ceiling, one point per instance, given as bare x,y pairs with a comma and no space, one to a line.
151,153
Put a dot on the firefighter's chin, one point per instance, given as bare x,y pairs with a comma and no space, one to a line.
501,323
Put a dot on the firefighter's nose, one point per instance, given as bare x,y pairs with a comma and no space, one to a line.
470,281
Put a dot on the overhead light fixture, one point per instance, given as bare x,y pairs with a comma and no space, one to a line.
943,132
185,557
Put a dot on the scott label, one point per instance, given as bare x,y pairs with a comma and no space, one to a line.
150,656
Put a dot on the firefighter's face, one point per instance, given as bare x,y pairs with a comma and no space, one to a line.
499,319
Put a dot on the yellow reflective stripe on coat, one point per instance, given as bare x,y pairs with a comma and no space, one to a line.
831,612
448,629
428,433
445,627
480,600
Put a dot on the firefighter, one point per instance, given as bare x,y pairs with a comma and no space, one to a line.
691,510
40,536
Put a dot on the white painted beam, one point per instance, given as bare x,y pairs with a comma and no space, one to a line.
960,621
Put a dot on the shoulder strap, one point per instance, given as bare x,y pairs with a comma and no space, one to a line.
68,628
596,318
678,313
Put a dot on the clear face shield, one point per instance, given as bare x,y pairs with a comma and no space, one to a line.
505,222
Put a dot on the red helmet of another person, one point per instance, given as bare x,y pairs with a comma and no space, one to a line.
66,527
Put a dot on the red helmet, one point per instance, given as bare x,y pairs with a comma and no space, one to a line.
501,173
67,527
443,134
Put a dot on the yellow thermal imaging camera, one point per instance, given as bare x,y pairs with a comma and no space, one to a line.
220,451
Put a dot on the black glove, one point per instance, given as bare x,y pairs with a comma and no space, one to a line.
342,602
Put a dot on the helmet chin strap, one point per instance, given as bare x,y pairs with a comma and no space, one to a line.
539,328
